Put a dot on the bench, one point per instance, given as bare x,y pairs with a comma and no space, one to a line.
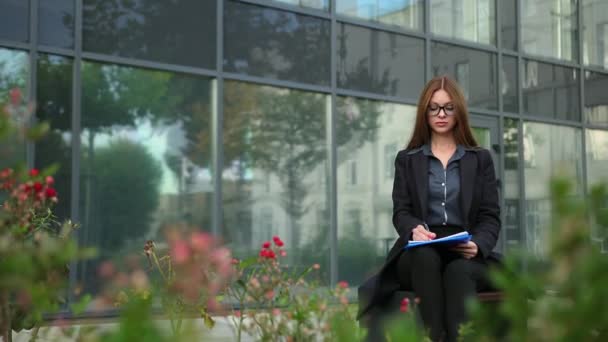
483,297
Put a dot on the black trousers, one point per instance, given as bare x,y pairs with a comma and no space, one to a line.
443,280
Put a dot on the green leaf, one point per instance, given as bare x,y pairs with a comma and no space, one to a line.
81,305
207,319
38,131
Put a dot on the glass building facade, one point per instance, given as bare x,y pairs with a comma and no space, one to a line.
255,118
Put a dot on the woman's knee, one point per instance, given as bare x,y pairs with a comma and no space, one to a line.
426,257
458,268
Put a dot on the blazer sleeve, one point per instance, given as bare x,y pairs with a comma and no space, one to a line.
487,225
403,219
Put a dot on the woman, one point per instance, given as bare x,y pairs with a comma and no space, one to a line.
444,183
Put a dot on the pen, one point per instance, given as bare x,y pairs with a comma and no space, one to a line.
426,226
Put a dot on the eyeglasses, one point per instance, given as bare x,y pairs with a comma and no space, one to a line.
448,109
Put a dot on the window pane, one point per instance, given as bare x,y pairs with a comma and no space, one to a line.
509,84
275,159
54,105
474,70
597,173
551,90
408,14
549,150
472,20
56,23
14,20
508,12
595,32
512,229
14,73
177,32
318,4
596,101
379,62
369,133
279,44
549,28
145,160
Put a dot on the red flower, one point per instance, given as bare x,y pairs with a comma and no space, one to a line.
50,192
266,244
271,254
34,172
405,305
16,96
37,187
267,253
277,241
343,285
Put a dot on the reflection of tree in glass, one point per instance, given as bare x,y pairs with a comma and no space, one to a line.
283,132
54,105
362,76
13,75
126,181
287,45
116,97
151,29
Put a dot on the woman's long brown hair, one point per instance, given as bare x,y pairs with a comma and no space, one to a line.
422,130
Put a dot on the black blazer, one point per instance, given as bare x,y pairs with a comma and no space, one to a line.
478,202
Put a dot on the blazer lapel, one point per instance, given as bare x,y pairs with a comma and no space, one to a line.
421,176
468,170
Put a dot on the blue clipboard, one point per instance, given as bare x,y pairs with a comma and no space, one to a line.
454,239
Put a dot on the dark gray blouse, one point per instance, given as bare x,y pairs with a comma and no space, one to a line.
444,189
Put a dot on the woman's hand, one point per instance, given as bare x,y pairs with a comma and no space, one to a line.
421,234
468,250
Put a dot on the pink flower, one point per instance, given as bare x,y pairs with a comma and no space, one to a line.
50,180
266,245
343,285
139,280
34,172
255,283
106,269
201,241
238,314
180,252
212,305
235,261
276,312
6,173
269,295
316,266
343,300
283,253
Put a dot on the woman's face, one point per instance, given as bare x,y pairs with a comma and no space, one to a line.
441,113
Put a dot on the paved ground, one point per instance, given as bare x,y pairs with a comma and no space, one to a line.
222,332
